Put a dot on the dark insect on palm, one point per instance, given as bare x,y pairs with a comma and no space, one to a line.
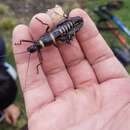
64,32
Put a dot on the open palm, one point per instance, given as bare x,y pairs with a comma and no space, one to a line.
81,86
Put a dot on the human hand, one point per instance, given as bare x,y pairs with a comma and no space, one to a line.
11,114
78,89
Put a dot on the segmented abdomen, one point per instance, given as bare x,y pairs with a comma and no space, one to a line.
65,28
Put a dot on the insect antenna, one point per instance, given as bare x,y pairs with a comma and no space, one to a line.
25,41
43,23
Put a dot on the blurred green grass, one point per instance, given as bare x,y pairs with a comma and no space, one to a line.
6,13
122,14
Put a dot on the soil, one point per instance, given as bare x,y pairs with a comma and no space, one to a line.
28,8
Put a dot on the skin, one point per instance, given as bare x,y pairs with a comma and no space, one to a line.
81,86
11,114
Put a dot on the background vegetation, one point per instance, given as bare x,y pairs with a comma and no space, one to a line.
13,12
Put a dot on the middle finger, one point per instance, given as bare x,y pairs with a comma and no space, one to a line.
52,62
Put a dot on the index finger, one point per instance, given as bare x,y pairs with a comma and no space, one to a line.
96,50
36,89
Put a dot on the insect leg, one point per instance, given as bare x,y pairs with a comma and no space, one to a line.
65,39
69,37
20,42
68,42
47,29
55,45
37,67
40,63
26,74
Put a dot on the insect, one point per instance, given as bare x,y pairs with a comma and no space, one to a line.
64,31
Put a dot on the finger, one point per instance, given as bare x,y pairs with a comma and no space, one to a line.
77,65
8,118
100,56
52,62
35,86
